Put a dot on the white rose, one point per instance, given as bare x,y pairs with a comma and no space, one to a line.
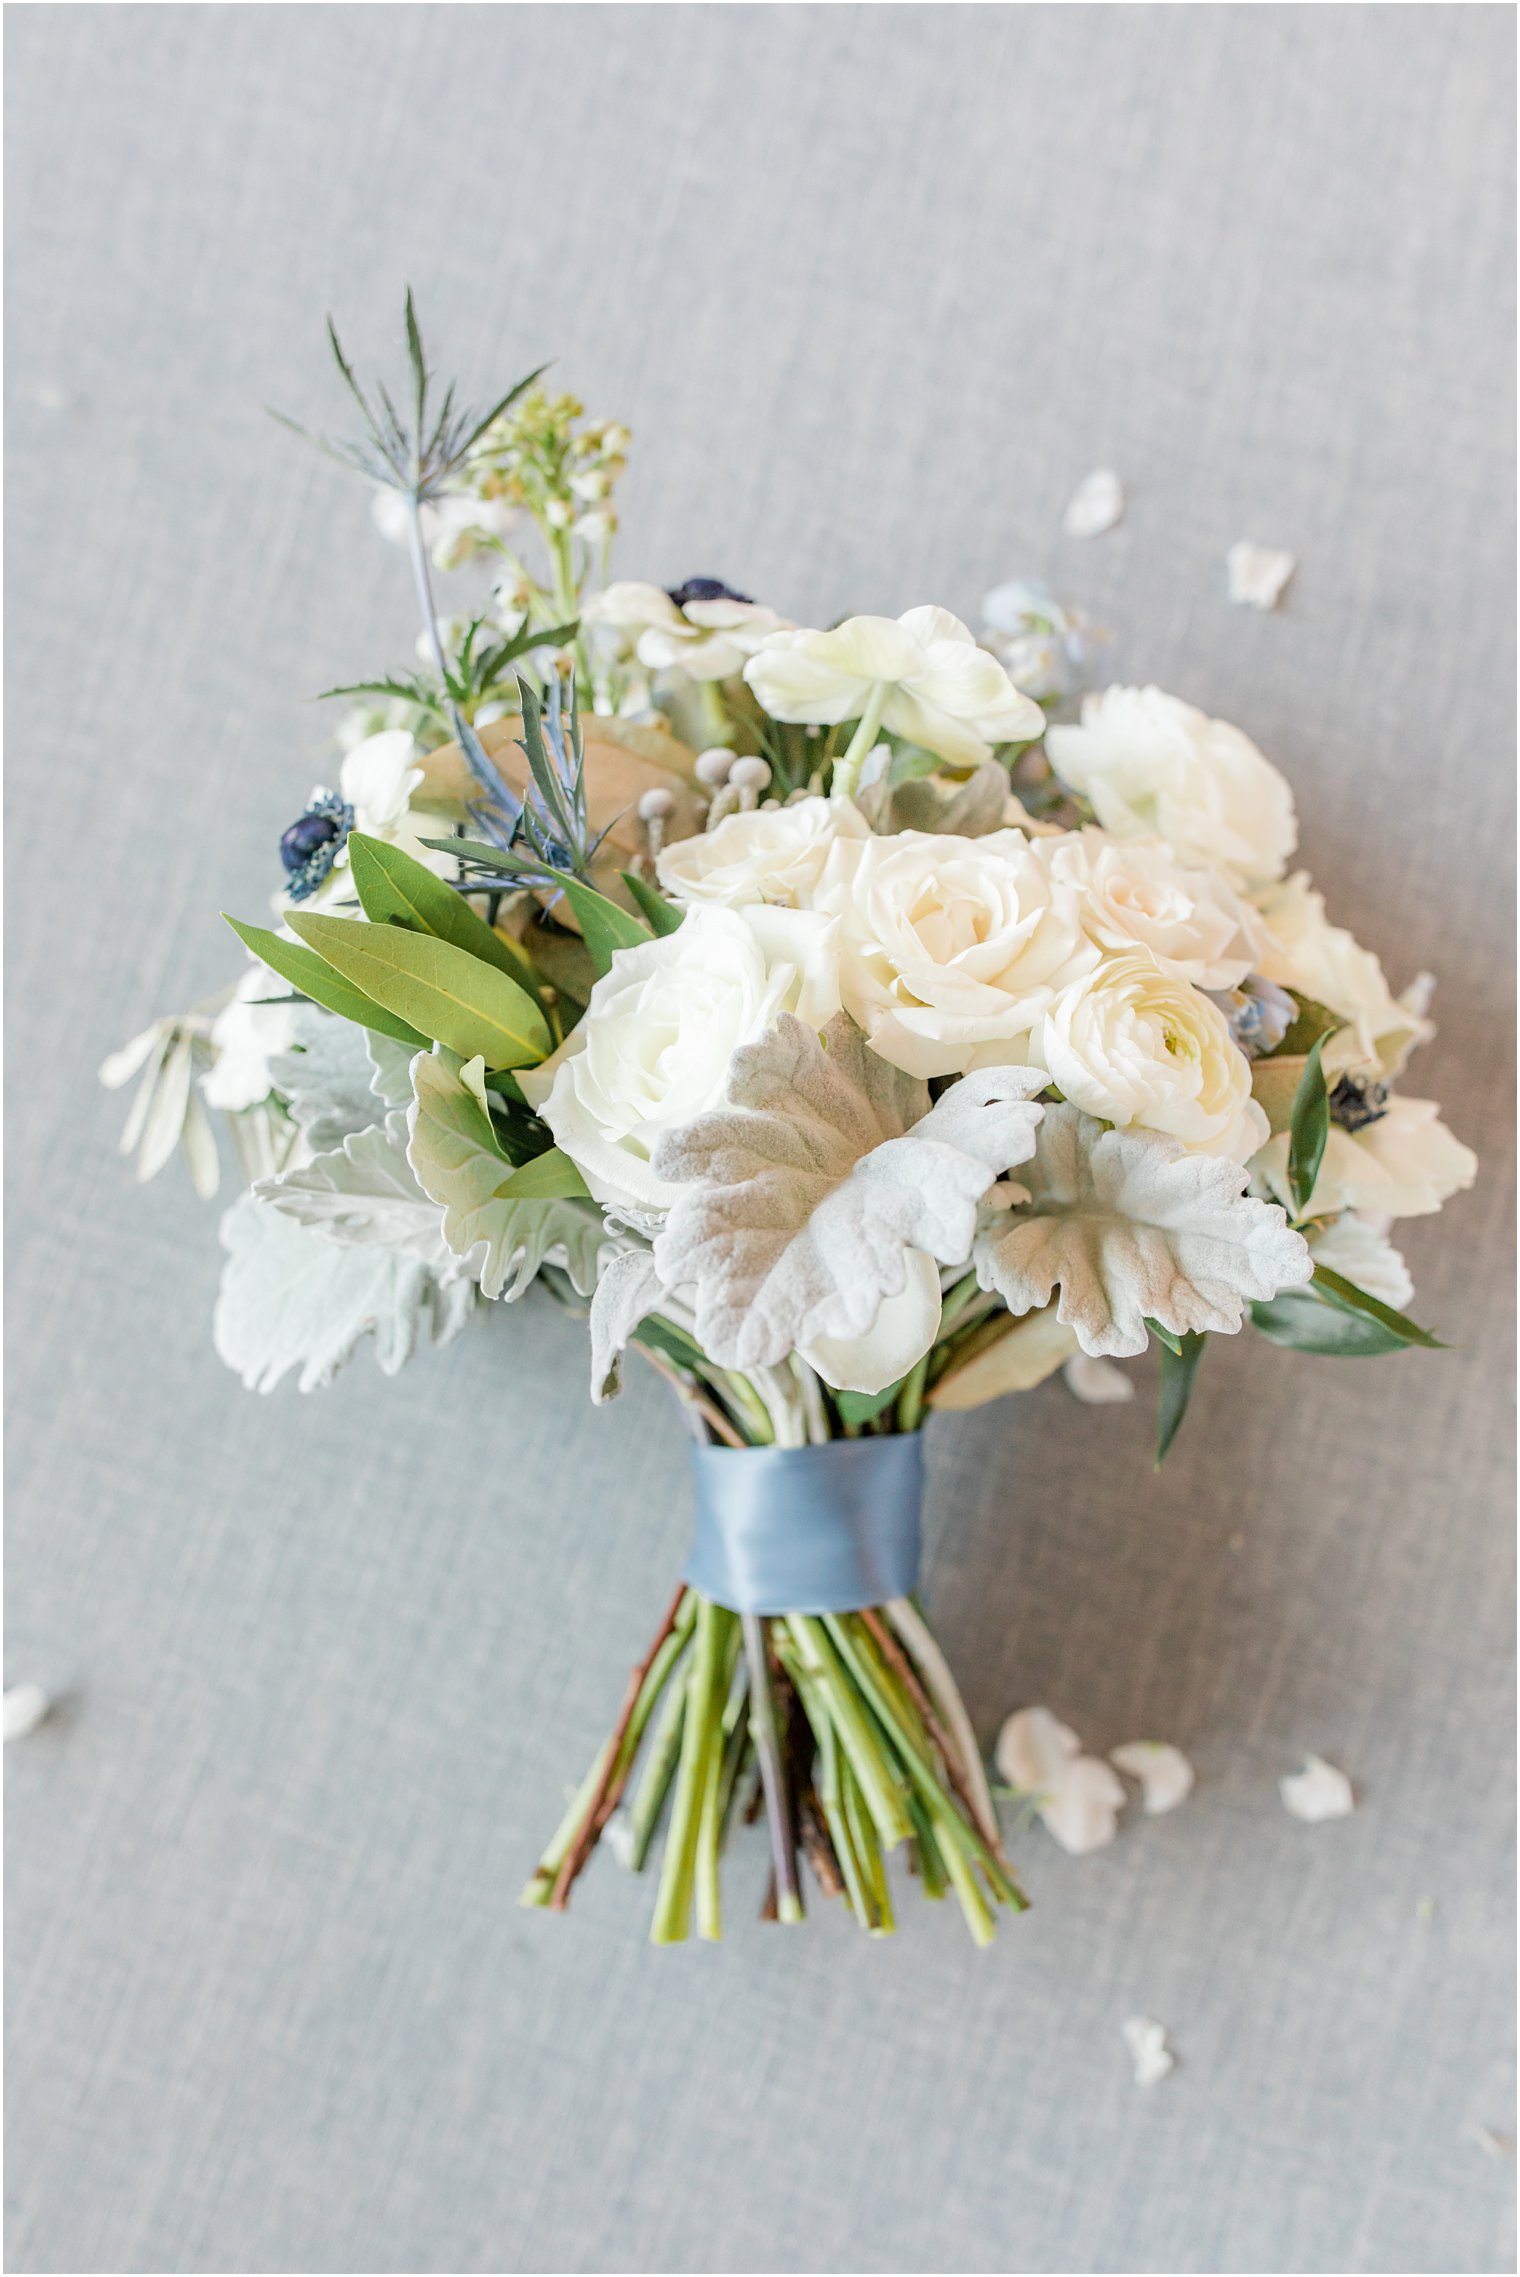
950,948
1131,1046
1354,1247
1306,952
1154,767
653,1049
1137,894
770,854
1405,1165
246,1035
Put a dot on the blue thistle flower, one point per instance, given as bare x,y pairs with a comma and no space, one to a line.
1259,1013
314,841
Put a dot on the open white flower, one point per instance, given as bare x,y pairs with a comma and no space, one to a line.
1323,961
654,1048
818,1201
1131,1046
1404,1165
1136,894
1130,1228
922,675
707,640
951,948
772,853
1152,766
1078,1796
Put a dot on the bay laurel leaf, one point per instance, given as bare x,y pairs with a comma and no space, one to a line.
442,990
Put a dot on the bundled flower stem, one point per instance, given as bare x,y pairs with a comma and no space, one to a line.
847,1728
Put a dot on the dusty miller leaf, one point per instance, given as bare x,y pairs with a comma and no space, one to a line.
291,1300
327,1077
363,1192
628,1291
805,1192
1129,1227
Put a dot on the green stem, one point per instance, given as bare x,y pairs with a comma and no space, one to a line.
701,1737
861,743
659,1770
910,1400
876,1775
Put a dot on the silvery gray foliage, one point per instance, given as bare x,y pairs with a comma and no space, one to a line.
502,1240
628,1291
364,1191
327,1078
1130,1226
825,1166
290,1299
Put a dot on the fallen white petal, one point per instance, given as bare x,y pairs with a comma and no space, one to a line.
1317,1792
1082,1809
1033,1750
1146,2042
1098,1383
25,1707
1166,1777
617,1838
1095,505
1487,2140
1258,575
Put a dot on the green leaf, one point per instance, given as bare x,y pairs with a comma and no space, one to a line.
1166,1336
396,889
317,979
863,1407
1177,1372
549,1177
1304,1322
661,914
604,926
1312,1024
441,990
1308,1128
1352,1299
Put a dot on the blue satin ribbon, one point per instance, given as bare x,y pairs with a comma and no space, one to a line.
808,1529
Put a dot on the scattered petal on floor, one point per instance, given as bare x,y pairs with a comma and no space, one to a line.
1097,1382
1317,1792
1146,2042
1495,2145
1258,575
1166,1777
1425,1909
25,1707
1077,1796
1095,505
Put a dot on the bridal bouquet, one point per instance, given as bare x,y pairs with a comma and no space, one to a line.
853,1022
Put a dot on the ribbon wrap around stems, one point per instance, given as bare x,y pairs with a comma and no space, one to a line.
824,1529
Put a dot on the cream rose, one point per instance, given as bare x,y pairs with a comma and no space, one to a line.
950,948
774,854
1131,1046
1305,951
1135,893
1154,767
1404,1165
653,1049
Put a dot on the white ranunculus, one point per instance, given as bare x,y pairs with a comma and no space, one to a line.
1135,893
1354,1247
246,1035
707,640
654,1048
950,948
769,854
921,675
1151,766
1305,951
1404,1165
1131,1046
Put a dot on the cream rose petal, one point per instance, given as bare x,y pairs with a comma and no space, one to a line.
1318,1792
1166,1777
1129,1227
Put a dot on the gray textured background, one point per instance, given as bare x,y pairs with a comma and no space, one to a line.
874,287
